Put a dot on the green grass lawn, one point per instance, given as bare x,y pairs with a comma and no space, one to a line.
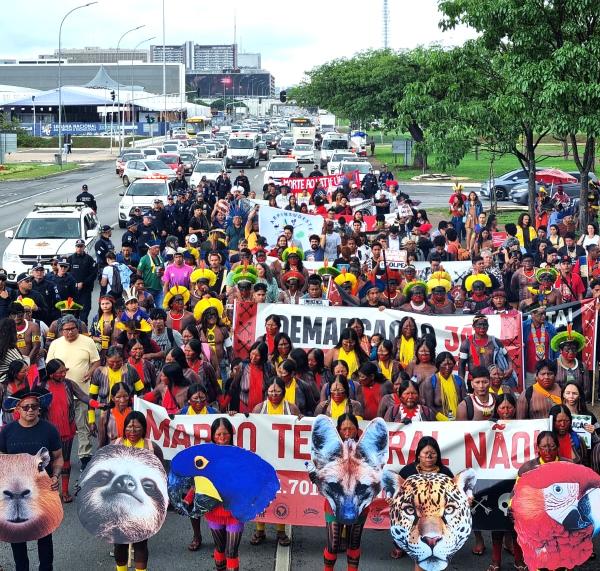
21,171
470,169
504,216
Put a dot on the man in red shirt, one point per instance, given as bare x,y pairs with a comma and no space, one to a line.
568,282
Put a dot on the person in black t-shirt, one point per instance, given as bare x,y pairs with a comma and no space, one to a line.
29,434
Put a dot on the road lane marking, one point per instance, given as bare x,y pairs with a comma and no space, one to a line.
9,228
283,558
32,196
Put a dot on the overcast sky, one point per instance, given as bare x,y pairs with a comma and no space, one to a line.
291,36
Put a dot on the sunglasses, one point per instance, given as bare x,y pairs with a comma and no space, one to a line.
27,407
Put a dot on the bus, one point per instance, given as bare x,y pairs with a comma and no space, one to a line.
300,122
195,125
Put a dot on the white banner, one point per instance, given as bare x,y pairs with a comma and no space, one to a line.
312,327
271,222
284,441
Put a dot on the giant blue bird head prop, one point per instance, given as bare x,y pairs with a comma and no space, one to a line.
236,479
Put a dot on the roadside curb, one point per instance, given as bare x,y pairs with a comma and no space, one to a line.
283,557
441,183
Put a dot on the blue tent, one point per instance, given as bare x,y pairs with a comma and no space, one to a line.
71,96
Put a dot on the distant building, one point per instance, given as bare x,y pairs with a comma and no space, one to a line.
249,61
44,77
215,57
96,55
183,53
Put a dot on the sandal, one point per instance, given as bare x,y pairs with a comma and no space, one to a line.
67,499
520,566
283,539
397,553
258,537
195,544
478,550
493,567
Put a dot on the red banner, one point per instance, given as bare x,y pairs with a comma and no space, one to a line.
328,182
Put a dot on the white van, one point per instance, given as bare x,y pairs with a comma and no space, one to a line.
243,151
332,142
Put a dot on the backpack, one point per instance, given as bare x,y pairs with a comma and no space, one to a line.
116,285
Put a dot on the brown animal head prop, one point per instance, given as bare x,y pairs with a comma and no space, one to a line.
29,509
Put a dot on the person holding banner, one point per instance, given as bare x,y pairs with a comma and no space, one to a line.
405,405
374,387
250,380
422,366
444,390
570,444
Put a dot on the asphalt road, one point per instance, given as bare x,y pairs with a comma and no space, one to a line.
75,549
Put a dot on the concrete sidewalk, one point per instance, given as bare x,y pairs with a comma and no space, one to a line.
47,156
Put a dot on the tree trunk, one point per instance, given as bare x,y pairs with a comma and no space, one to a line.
584,165
529,145
565,145
420,158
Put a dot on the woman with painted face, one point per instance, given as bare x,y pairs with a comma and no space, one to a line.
537,400
338,400
407,406
505,409
297,392
250,380
572,395
275,403
134,436
282,347
111,424
374,387
388,366
444,390
358,326
547,449
423,365
407,340
570,444
197,403
569,368
349,350
316,364
480,404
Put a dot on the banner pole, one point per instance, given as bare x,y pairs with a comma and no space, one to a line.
387,280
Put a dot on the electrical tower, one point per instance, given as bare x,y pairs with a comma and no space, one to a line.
386,24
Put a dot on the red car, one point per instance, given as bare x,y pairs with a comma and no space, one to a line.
171,160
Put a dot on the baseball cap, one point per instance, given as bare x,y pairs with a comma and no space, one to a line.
63,262
105,228
38,266
79,243
23,276
84,187
3,274
193,239
131,223
565,260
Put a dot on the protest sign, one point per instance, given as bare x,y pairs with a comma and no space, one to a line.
310,327
310,183
496,452
271,222
579,421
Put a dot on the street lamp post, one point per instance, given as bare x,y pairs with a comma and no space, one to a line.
132,98
119,84
59,73
33,103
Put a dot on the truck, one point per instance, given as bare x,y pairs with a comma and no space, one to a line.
327,122
332,142
304,135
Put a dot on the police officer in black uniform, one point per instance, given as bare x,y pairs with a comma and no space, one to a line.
84,271
87,198
146,234
369,184
223,185
181,218
103,246
65,282
44,285
385,174
130,237
243,181
160,219
25,289
315,172
297,173
179,184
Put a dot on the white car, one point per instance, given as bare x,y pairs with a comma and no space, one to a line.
278,168
362,167
145,169
49,230
126,155
151,152
141,193
304,153
333,165
211,169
